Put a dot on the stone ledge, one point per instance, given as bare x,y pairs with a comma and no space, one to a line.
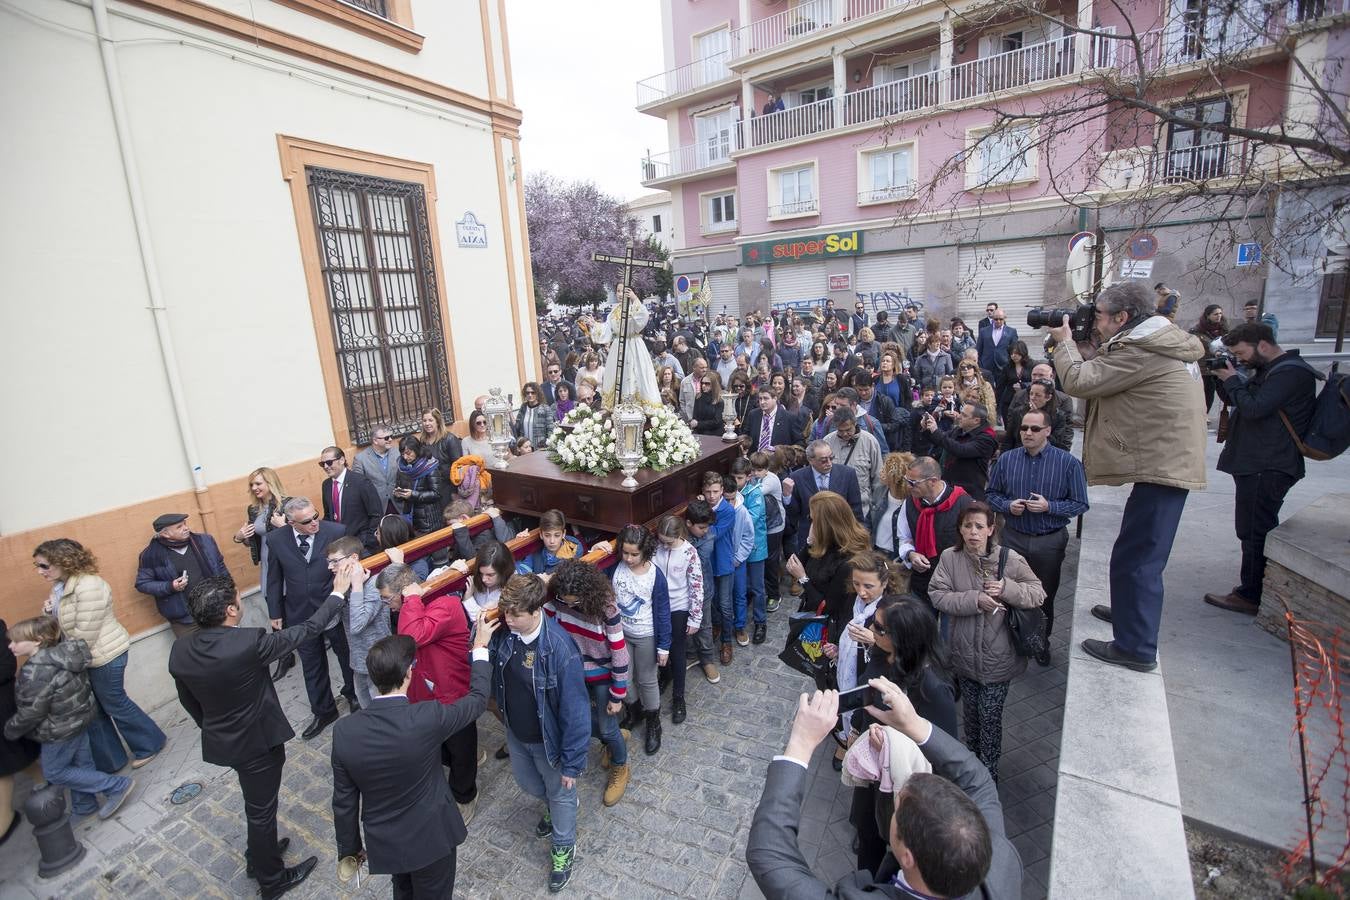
1118,829
1312,543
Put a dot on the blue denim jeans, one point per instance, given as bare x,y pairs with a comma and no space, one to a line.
70,763
754,585
724,610
1147,528
529,763
142,735
606,727
738,595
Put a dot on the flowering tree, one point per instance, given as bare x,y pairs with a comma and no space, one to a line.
567,222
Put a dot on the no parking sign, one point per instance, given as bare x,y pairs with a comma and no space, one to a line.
682,284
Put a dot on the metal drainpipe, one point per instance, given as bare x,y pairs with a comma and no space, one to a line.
158,311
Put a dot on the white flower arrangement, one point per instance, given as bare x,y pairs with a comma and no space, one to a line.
584,442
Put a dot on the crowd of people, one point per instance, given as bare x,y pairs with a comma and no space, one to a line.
874,487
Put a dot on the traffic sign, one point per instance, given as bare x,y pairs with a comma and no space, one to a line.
682,284
1249,254
1079,238
1142,246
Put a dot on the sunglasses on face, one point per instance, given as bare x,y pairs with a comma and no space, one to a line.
915,482
325,463
1034,429
311,520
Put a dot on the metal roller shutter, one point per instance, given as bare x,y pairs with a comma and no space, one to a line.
886,279
1011,275
726,294
801,285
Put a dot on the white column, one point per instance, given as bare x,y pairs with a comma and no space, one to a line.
1082,43
747,111
840,86
946,44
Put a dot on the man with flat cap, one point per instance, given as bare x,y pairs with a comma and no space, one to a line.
175,559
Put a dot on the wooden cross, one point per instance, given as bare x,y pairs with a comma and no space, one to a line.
628,262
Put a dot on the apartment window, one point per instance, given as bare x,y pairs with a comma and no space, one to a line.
719,212
711,52
1004,156
1194,154
656,224
814,94
376,259
715,136
794,189
887,174
378,7
1011,41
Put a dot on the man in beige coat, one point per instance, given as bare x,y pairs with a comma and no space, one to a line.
1145,426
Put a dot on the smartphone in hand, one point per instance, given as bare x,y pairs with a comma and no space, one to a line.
864,695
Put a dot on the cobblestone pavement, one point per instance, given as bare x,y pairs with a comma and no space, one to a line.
680,830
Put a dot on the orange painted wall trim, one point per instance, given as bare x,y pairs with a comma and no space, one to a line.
512,287
207,16
395,31
529,265
296,154
117,537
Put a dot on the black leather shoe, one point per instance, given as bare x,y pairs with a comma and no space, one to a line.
318,724
281,849
352,703
1106,652
761,632
502,753
293,877
283,666
677,711
1102,612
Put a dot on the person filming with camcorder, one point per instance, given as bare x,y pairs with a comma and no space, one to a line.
1145,426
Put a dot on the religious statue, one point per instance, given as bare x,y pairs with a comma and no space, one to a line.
628,366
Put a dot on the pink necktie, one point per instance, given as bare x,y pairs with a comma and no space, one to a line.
337,502
765,432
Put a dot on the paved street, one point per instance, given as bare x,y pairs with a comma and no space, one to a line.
680,831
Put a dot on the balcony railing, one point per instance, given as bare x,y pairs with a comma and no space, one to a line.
692,158
795,208
893,192
795,122
892,98
805,18
687,78
378,7
1202,162
1013,68
859,9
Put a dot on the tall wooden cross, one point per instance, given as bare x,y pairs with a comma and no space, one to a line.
628,262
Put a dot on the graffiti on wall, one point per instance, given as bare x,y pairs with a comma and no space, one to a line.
872,301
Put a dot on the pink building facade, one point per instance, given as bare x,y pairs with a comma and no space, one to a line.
791,121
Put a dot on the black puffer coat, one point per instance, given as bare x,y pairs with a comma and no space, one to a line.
428,500
55,700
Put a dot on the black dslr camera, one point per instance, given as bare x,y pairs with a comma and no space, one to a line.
1080,319
1221,359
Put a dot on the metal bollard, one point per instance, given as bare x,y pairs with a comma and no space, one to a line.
59,849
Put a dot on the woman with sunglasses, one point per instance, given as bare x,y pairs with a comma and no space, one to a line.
262,516
969,378
708,405
739,385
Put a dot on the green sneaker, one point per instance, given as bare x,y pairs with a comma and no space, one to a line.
563,858
772,605
545,826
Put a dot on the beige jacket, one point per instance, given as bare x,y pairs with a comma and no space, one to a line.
86,612
1146,406
980,644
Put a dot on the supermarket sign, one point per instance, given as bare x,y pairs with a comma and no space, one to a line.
802,249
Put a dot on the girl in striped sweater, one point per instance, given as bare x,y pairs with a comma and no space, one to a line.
678,561
581,600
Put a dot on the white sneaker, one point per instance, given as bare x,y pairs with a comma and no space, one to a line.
467,810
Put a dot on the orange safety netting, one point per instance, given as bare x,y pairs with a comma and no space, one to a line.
1317,654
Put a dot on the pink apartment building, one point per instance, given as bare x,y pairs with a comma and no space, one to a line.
805,139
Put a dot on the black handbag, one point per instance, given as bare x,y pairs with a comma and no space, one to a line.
1026,625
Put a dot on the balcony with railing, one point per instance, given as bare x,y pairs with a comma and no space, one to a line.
890,99
806,19
1013,68
687,79
889,194
1202,161
692,159
790,123
807,207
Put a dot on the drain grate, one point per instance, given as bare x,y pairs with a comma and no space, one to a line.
185,793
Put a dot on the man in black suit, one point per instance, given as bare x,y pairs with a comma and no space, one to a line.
221,675
771,425
820,474
553,378
298,580
988,320
387,771
946,838
350,499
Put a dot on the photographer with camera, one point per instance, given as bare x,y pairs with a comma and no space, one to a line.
1260,452
1145,426
946,837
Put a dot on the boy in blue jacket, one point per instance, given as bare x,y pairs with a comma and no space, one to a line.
724,561
752,585
540,688
743,547
698,520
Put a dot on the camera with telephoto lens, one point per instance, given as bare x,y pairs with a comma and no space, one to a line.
1080,319
1221,359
